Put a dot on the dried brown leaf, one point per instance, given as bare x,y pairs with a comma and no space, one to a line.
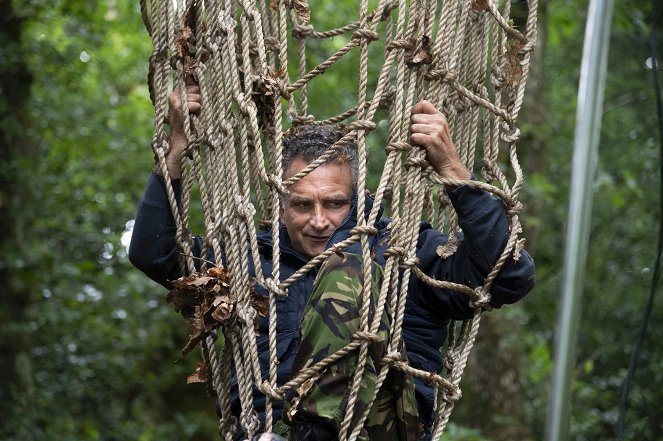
181,299
191,344
222,308
303,11
260,304
278,73
219,273
306,386
480,5
513,69
200,376
421,54
200,281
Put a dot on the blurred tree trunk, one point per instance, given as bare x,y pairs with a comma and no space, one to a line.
533,144
493,396
15,80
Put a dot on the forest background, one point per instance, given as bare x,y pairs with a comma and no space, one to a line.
87,343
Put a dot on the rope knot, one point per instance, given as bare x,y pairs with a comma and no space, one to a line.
302,31
226,22
362,124
246,104
392,358
244,208
443,74
489,170
370,337
275,288
394,251
283,88
247,314
481,298
274,182
410,262
509,134
250,420
302,119
194,142
401,43
267,389
529,47
514,207
387,98
497,77
397,146
366,34
272,44
449,362
451,394
460,103
248,11
364,229
227,128
417,162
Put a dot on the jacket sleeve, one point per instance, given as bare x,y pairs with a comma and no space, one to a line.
484,222
153,249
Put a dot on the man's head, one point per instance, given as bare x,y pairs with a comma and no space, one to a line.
320,202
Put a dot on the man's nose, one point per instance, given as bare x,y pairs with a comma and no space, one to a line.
319,219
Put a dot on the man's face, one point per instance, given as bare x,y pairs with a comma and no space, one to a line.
316,205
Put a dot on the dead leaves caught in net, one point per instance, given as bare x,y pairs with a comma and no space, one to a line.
206,302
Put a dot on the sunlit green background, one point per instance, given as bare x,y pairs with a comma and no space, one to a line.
88,344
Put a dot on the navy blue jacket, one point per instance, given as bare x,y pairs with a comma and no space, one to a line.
428,311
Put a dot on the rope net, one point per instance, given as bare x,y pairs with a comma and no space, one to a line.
464,56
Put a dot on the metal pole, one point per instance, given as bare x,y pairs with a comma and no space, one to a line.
585,152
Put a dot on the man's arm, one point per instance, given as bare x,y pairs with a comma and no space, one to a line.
485,228
485,234
153,249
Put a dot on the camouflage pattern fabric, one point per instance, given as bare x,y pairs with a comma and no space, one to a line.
331,317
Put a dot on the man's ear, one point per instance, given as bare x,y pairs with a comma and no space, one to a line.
281,213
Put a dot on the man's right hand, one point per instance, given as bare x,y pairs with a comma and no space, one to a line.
429,128
177,139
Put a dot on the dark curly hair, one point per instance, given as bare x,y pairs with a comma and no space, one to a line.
310,141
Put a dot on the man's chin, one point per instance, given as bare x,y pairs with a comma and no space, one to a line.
314,251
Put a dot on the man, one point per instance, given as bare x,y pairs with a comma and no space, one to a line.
319,212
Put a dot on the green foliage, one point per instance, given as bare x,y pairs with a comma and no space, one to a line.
99,340
102,342
625,223
454,432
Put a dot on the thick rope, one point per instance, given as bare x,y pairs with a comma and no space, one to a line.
237,52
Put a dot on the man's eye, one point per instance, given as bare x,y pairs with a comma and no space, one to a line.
301,205
336,204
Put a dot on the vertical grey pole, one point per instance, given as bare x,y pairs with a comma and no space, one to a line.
585,152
